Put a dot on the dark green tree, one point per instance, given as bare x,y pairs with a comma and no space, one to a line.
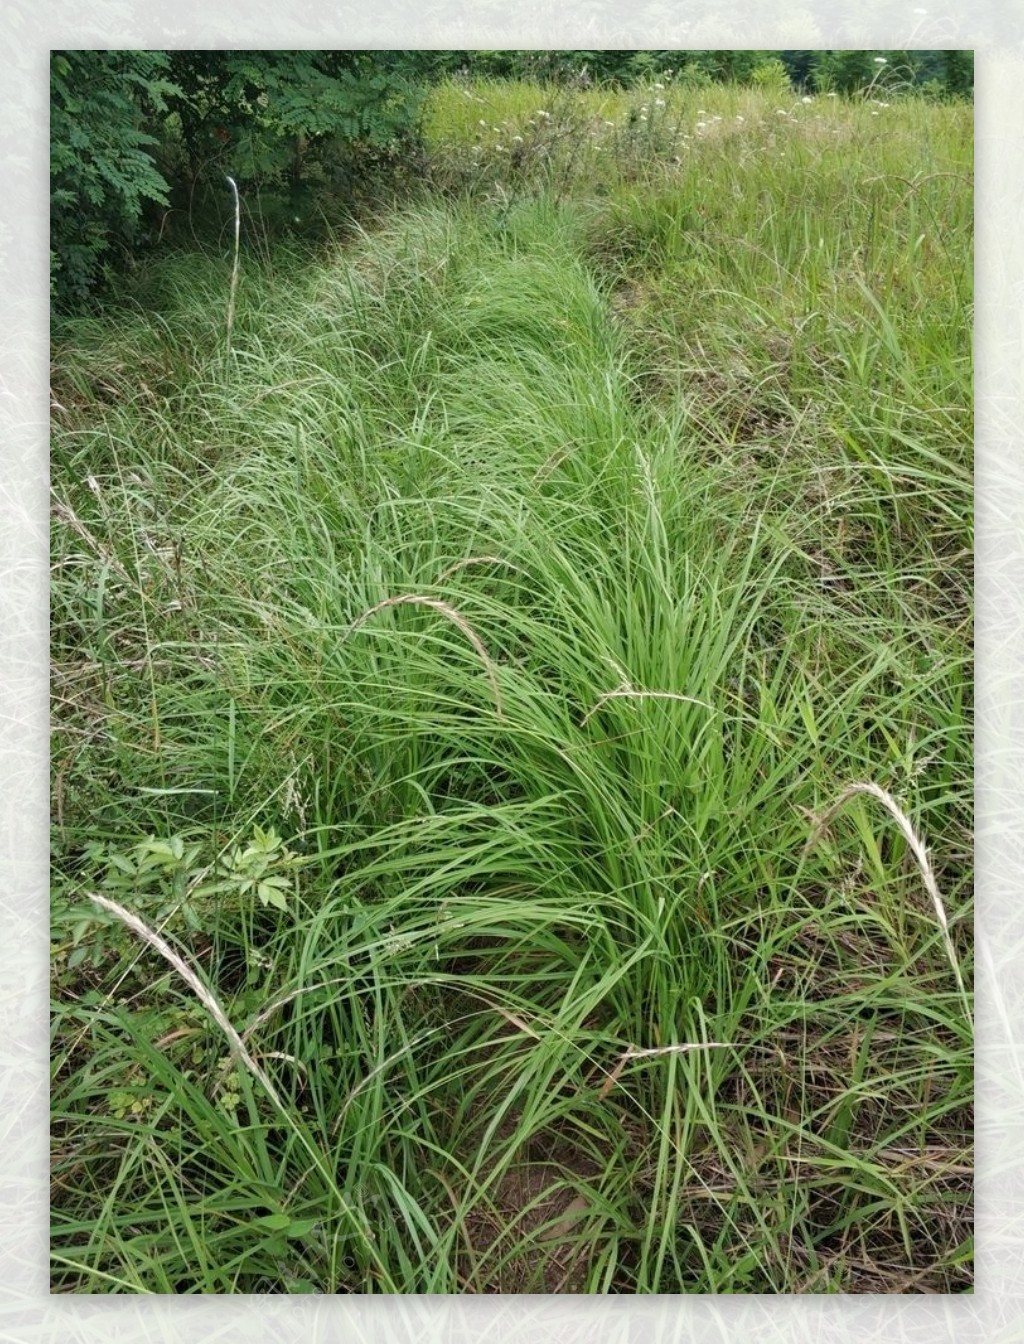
842,71
104,108
272,116
129,128
958,72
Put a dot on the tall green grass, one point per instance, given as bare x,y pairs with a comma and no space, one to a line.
542,569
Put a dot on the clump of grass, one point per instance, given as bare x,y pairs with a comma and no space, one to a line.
453,616
562,998
917,847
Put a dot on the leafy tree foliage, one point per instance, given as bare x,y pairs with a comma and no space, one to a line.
274,118
958,73
271,116
102,172
933,74
952,73
842,71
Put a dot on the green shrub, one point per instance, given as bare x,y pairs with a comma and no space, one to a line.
102,172
278,117
771,75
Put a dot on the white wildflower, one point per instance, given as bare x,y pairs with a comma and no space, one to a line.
880,60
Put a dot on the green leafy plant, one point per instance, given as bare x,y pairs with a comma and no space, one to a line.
165,880
286,119
156,875
105,107
771,75
258,869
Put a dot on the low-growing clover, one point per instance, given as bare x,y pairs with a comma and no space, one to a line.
124,1105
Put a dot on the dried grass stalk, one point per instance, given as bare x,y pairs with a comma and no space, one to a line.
271,1009
639,1052
195,984
234,268
628,693
917,847
476,560
456,619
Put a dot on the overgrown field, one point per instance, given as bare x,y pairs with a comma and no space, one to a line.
513,684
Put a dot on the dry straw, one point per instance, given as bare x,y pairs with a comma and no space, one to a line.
476,560
234,268
917,847
269,1012
195,984
628,693
641,1052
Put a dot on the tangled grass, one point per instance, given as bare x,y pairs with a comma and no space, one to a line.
549,568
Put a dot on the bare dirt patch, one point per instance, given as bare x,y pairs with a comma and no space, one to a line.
535,1229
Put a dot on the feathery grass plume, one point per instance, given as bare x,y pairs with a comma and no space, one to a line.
474,560
456,618
194,983
918,849
267,1013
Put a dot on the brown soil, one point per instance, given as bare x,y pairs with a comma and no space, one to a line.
535,1230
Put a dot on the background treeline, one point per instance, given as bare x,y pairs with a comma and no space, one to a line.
939,74
135,134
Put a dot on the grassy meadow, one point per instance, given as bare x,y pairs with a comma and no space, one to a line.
512,703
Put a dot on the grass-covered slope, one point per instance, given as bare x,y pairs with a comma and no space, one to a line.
480,646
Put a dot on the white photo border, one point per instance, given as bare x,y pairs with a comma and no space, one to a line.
996,1311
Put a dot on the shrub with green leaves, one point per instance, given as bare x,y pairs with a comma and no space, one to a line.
103,109
276,117
771,75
